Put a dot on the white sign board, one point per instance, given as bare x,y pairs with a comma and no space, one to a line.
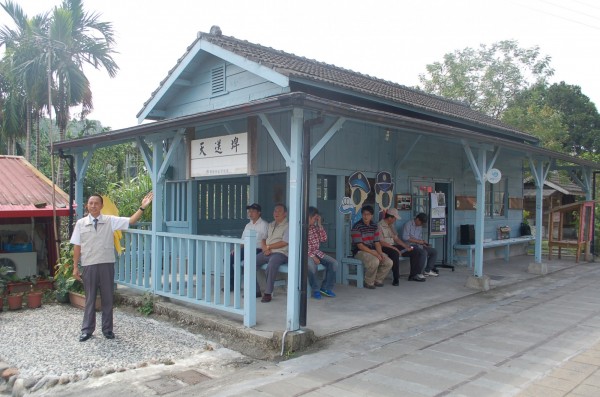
221,155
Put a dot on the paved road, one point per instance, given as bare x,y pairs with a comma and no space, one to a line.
537,338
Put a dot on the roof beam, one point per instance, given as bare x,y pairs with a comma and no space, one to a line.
327,137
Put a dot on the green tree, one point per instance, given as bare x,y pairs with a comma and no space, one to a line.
77,38
528,112
487,78
25,78
561,115
63,43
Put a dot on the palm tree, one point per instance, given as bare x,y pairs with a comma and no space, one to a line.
51,50
77,38
12,111
22,63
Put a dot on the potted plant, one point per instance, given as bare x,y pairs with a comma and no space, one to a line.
63,272
16,285
4,278
67,288
15,300
34,298
42,283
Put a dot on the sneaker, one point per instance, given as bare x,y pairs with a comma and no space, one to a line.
430,273
327,292
317,295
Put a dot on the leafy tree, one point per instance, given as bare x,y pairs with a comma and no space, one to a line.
77,38
579,115
64,40
26,80
560,115
529,113
487,78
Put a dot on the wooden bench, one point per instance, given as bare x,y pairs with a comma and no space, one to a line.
354,269
506,243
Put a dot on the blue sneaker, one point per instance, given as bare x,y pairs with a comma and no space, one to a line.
328,292
317,295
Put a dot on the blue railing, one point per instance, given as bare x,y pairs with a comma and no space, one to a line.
190,268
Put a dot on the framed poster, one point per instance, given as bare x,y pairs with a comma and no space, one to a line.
404,202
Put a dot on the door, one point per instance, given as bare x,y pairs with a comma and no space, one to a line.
420,189
327,205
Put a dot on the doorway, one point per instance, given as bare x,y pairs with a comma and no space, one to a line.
420,190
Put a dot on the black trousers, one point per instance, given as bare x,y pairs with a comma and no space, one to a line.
97,276
231,270
416,261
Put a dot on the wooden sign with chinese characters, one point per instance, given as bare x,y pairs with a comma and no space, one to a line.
221,155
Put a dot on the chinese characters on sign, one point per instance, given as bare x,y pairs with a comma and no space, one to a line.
221,155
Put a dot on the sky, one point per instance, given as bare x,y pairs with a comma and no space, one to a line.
389,39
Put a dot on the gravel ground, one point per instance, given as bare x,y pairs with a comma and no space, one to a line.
42,342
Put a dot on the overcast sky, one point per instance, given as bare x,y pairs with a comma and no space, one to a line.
388,39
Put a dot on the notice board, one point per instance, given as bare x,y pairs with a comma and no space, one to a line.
437,214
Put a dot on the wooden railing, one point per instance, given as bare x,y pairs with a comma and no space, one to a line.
190,268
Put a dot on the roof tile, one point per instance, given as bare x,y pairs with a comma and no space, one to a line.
22,186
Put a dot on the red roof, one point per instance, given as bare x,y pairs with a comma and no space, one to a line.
26,192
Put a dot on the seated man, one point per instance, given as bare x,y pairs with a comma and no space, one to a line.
274,249
260,226
393,246
367,248
316,236
412,234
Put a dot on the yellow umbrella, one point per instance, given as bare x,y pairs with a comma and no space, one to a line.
110,208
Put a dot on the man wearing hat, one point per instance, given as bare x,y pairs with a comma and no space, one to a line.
261,227
393,246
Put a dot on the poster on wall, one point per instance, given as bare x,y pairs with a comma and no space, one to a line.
404,202
437,214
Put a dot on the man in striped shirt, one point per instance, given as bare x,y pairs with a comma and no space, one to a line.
367,248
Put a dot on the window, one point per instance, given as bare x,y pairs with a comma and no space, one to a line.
496,199
326,187
217,80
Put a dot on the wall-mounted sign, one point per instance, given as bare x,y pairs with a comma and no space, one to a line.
221,155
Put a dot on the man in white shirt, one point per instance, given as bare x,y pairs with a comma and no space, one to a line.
94,245
261,227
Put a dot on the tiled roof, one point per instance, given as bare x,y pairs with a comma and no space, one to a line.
300,68
554,181
24,190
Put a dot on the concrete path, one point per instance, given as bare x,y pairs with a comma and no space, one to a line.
537,337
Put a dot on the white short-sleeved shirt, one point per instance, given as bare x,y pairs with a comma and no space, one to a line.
261,227
97,244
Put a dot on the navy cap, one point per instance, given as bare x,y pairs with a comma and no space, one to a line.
358,179
383,182
254,206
